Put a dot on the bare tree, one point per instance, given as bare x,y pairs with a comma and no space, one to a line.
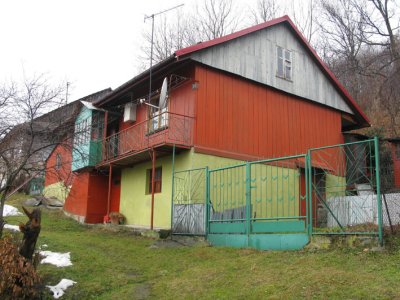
216,18
265,10
27,132
304,18
341,28
209,20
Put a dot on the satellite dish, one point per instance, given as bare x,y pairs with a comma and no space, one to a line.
163,94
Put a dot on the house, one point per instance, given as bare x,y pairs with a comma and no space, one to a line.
262,92
60,179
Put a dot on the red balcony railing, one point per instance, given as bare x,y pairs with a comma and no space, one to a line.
164,128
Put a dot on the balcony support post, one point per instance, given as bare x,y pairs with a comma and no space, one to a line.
109,190
153,171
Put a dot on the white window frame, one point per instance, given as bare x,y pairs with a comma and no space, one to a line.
286,62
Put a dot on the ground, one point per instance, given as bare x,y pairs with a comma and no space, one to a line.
110,264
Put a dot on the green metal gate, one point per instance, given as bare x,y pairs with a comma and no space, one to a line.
258,204
344,184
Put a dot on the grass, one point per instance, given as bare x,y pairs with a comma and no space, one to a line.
121,265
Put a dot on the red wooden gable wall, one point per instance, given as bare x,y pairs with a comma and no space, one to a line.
245,120
54,175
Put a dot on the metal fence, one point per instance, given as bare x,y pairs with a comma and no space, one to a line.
344,185
333,190
257,197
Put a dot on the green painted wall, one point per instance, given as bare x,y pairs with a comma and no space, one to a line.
274,190
57,190
88,153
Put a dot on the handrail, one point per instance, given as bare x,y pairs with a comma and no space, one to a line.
165,127
146,121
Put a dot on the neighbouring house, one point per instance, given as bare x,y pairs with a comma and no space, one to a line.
262,92
59,175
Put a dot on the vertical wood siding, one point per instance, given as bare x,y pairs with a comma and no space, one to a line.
54,175
240,117
396,166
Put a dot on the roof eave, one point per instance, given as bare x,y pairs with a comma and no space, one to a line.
134,81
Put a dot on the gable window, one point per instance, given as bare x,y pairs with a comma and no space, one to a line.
284,63
157,180
58,161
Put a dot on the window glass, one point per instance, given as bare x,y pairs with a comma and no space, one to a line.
284,63
157,180
58,161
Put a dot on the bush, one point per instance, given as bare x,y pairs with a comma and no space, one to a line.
18,277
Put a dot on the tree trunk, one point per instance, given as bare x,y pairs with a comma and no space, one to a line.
31,232
2,222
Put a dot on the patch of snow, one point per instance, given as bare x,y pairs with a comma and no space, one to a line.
11,211
11,227
43,246
59,289
56,258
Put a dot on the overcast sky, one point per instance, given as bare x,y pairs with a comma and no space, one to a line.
94,44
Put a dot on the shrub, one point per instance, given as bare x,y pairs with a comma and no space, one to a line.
18,277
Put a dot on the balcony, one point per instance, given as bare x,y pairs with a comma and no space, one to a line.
161,131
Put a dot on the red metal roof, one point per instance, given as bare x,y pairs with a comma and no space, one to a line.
185,51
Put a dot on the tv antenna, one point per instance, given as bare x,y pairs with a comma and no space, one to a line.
66,94
152,37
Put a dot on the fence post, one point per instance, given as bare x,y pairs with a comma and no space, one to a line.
306,165
173,189
207,206
248,200
309,184
378,189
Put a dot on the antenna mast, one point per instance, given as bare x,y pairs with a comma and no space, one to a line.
66,94
152,37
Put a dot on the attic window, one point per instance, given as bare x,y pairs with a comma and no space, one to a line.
284,63
58,161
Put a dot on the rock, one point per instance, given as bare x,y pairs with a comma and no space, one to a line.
32,202
52,201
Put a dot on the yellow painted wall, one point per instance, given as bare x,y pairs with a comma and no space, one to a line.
57,190
335,186
135,203
275,192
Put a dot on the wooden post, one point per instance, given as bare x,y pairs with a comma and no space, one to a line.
109,190
105,148
153,171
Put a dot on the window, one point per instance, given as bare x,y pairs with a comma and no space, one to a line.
158,118
284,63
82,132
157,180
58,161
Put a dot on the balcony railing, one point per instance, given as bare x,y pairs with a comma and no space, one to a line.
164,128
